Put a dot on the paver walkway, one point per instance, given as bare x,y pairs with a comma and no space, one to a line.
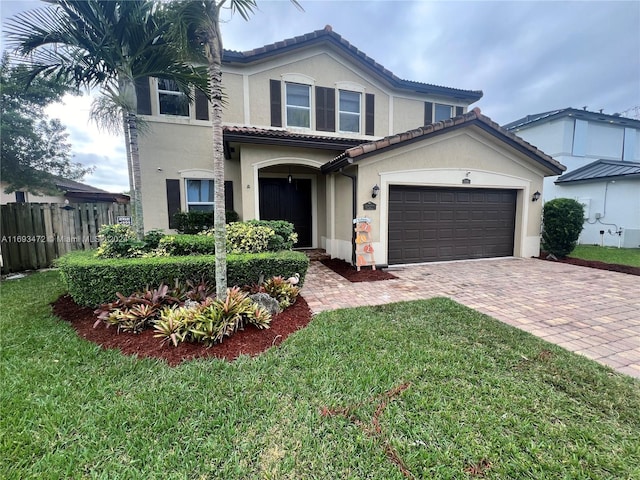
592,312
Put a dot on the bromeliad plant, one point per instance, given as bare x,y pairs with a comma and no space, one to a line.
280,289
140,309
211,321
190,313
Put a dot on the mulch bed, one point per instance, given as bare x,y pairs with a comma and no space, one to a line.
595,264
366,274
250,341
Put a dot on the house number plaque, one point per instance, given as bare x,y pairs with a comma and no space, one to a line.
369,206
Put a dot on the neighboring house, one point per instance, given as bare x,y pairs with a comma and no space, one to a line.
602,155
314,135
70,192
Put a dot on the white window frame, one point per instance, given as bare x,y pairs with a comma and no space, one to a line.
186,193
297,107
435,111
340,112
161,91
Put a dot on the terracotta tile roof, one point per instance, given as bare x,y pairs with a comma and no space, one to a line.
601,170
473,117
275,136
328,35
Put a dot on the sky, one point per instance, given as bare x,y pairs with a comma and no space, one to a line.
527,57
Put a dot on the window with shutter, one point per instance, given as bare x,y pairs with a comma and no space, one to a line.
171,100
428,113
202,106
276,103
173,200
370,114
349,111
298,105
325,109
143,94
442,112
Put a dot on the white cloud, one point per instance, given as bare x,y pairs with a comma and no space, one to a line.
527,57
90,146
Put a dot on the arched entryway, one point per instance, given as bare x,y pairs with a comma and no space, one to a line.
288,191
288,199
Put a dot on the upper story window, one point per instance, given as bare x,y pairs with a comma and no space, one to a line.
442,112
349,111
298,105
172,101
200,195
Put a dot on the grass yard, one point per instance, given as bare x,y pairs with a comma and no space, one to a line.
620,256
425,389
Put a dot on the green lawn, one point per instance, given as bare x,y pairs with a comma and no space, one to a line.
621,256
439,388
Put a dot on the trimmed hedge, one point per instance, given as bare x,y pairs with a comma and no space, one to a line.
92,281
185,244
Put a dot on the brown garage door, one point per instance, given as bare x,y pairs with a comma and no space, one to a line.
435,224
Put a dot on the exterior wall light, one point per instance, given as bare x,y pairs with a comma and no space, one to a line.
536,196
374,191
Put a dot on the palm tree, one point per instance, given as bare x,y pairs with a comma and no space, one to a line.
196,28
108,45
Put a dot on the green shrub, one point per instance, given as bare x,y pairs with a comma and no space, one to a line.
285,236
92,281
188,244
118,241
562,220
196,222
152,239
247,238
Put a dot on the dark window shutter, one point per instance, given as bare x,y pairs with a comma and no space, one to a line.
143,93
202,106
428,113
228,195
459,111
370,114
173,200
325,109
276,103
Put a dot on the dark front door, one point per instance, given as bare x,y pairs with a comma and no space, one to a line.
434,224
281,200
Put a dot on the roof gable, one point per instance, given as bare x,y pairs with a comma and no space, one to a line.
328,36
545,117
474,117
602,170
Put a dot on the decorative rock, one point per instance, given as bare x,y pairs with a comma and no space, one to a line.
267,302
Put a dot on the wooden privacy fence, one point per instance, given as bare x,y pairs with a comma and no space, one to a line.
35,234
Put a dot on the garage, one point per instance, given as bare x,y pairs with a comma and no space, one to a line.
428,224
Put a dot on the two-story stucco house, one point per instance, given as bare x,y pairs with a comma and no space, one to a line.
318,133
602,156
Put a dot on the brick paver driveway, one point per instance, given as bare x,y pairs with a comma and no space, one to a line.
592,312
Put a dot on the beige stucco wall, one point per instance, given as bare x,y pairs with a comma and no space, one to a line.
407,114
232,88
444,161
173,151
304,163
317,68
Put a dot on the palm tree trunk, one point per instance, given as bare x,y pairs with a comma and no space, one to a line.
132,123
214,57
127,141
128,91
